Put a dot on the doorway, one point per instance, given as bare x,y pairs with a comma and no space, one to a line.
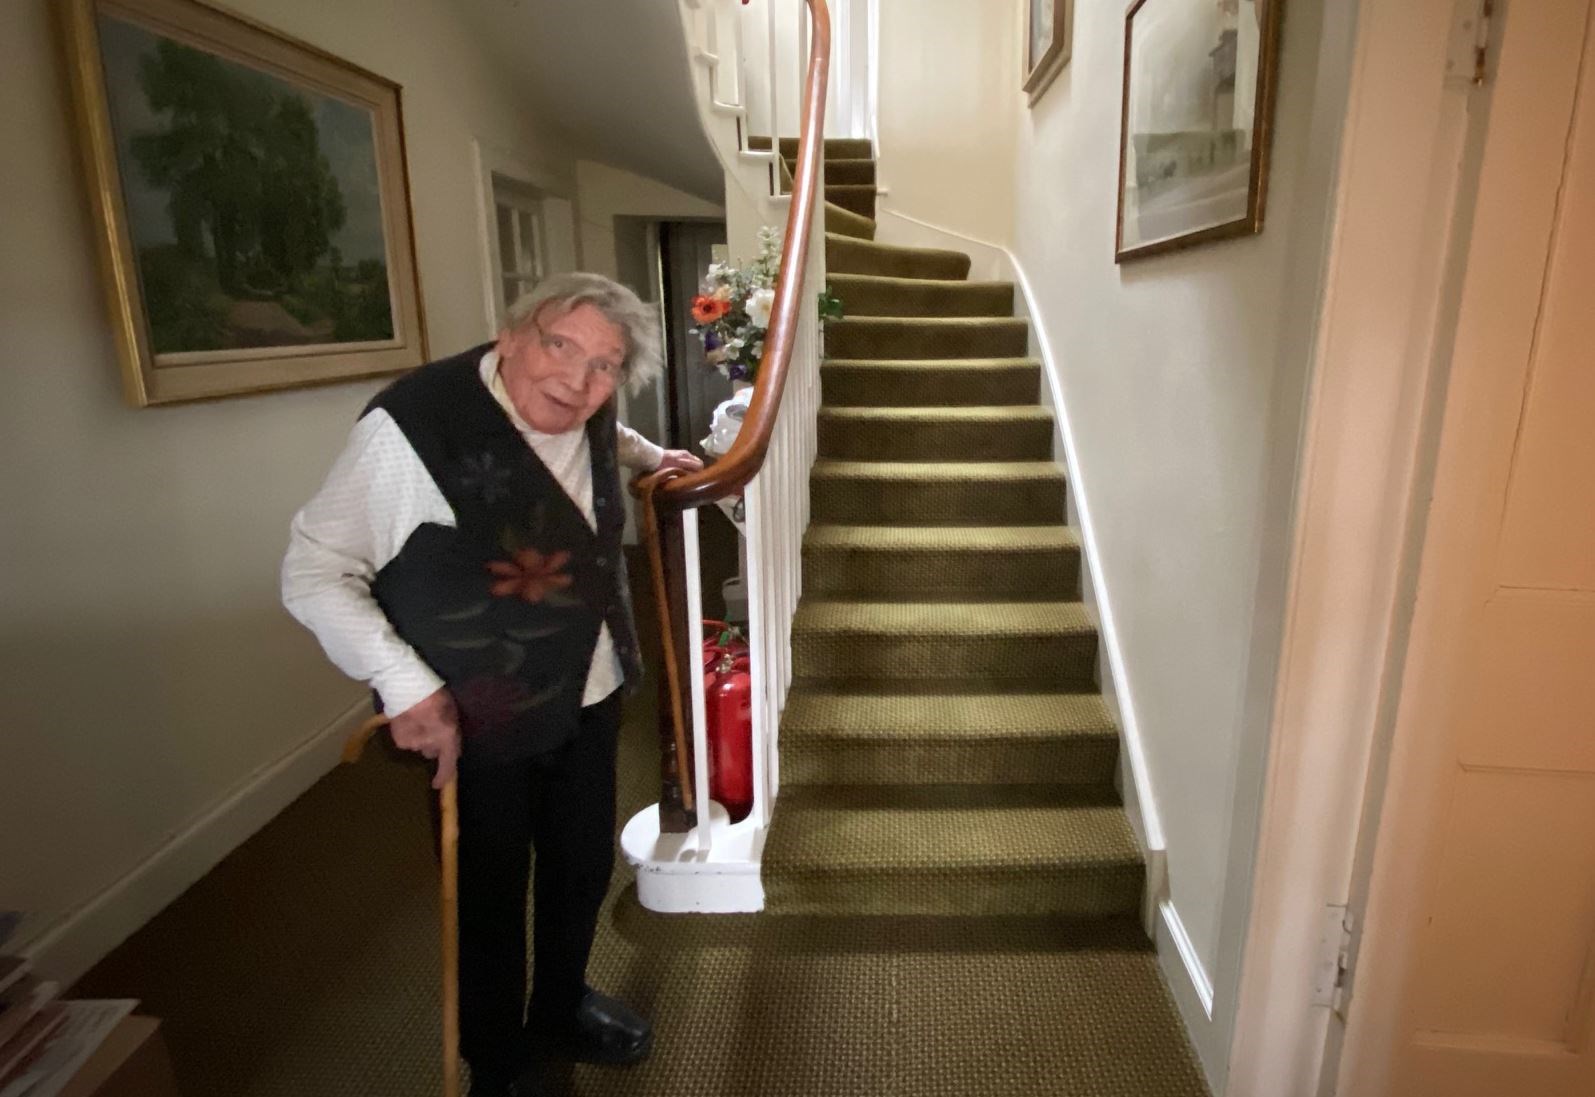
1477,973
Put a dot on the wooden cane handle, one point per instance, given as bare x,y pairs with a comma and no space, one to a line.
355,746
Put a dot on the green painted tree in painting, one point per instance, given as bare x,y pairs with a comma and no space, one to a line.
242,164
300,203
254,206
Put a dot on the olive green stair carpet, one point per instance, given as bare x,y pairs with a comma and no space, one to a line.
944,749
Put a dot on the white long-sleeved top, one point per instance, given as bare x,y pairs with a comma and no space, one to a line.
376,495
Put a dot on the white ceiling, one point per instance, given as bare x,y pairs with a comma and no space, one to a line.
613,74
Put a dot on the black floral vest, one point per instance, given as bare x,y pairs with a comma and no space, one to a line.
505,606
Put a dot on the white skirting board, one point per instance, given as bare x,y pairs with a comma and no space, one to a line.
1192,990
83,937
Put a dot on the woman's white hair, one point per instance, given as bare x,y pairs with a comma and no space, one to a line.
639,323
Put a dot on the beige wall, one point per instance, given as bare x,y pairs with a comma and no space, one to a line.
605,193
948,80
1183,378
150,675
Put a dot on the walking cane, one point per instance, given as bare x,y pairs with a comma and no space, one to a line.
449,848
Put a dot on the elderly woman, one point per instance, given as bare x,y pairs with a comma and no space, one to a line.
464,558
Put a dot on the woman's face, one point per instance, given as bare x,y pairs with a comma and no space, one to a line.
562,367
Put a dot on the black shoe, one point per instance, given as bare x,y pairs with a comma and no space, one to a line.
525,1085
604,1031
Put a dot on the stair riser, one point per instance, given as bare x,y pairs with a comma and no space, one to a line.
1055,661
968,503
980,338
982,386
848,224
938,299
841,171
836,148
813,759
850,257
978,440
1066,892
1052,574
859,199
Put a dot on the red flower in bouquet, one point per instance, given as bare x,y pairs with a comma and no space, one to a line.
706,309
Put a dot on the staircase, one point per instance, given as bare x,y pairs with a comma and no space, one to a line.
944,749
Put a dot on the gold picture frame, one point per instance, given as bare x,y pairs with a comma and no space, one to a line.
1194,169
251,202
1049,38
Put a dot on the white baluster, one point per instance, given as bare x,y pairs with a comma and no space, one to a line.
700,719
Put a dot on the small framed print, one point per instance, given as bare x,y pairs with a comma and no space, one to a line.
1048,24
1199,84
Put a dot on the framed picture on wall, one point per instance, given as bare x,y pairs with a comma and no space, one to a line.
250,199
1048,24
1199,81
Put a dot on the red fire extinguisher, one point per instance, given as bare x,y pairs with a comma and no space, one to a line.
728,692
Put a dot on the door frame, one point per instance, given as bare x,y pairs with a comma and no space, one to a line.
1404,198
563,240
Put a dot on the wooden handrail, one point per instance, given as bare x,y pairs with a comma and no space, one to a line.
666,494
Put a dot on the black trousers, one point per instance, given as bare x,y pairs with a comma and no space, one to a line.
563,805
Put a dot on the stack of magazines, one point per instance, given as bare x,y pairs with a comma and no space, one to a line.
44,1040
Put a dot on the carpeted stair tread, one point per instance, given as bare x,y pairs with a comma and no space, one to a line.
844,222
879,295
944,620
927,337
858,197
840,169
930,382
941,561
995,718
1017,829
946,539
1043,644
835,738
1000,850
847,255
836,148
960,435
937,493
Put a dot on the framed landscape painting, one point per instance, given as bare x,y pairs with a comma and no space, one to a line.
1199,79
1047,41
251,203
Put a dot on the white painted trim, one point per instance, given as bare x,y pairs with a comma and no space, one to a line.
691,874
563,239
88,934
1361,480
1181,965
697,702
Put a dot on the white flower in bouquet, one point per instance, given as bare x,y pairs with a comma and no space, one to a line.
758,307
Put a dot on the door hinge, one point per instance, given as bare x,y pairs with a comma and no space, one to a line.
1468,57
1332,976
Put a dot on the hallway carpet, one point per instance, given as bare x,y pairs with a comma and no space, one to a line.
305,965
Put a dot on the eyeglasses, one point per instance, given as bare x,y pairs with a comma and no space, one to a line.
570,353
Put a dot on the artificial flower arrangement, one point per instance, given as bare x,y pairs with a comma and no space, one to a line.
733,310
733,317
